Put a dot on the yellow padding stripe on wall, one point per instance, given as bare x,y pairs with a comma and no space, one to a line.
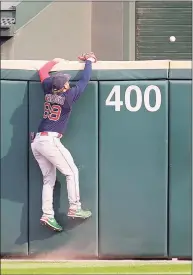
180,64
100,65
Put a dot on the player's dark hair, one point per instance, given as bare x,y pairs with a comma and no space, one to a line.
56,91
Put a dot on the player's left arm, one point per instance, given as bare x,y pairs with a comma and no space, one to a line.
45,69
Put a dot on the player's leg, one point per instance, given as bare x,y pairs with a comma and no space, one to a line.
49,179
61,158
72,179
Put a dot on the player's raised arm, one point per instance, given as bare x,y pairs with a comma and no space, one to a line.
80,86
44,70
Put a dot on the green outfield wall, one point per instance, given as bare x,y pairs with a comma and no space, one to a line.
130,136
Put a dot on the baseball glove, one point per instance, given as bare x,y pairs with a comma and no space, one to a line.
85,56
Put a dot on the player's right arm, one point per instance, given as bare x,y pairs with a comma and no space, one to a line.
79,88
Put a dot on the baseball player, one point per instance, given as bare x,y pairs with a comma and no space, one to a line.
46,146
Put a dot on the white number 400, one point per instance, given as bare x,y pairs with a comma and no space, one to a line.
116,91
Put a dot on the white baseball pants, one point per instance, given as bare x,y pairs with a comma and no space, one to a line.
51,154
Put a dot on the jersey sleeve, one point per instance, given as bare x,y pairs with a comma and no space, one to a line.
78,89
44,70
47,85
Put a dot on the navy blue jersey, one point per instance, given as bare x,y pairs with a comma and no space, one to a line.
58,107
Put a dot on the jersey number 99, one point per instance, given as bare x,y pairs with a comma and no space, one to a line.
52,112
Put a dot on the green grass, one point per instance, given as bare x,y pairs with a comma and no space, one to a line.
94,268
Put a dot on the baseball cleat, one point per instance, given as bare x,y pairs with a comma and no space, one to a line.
79,213
51,223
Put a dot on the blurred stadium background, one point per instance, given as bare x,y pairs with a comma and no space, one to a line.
133,30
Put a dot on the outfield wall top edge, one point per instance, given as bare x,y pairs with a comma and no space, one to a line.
25,70
100,65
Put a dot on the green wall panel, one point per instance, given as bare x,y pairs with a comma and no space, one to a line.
115,74
78,238
180,193
179,74
144,209
14,167
133,163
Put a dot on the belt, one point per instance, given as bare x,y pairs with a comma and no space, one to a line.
52,134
